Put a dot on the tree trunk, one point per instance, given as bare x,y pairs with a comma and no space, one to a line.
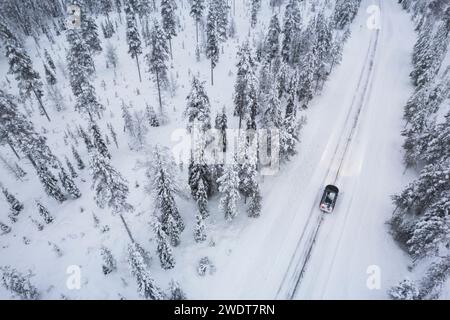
212,73
196,30
12,148
41,105
139,68
159,92
170,47
126,228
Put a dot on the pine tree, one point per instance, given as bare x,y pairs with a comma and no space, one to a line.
153,120
162,187
198,107
246,84
110,187
21,66
15,206
68,184
291,27
289,132
212,39
133,38
109,263
229,187
146,285
169,24
19,284
49,75
50,183
163,249
248,176
200,229
272,117
69,165
272,43
322,48
344,12
99,142
43,212
81,69
221,9
80,163
405,290
176,293
222,126
90,34
19,134
157,58
306,79
113,134
197,8
49,61
255,7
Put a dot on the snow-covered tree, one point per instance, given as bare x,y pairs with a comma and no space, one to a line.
163,249
255,7
109,264
221,125
344,12
19,284
169,22
81,69
152,118
197,8
405,290
43,212
20,64
110,187
212,39
162,186
133,37
50,183
76,155
272,43
246,84
139,269
291,27
70,167
198,108
176,293
229,188
157,58
15,206
98,141
68,184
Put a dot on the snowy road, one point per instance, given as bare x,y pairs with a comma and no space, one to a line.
352,139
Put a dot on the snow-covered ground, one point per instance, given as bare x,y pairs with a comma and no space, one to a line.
352,138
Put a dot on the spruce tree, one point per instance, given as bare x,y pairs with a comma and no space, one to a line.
163,249
229,187
291,27
255,7
169,23
212,39
98,141
176,293
162,186
157,59
110,187
69,165
21,66
43,212
15,206
19,284
272,46
198,107
109,263
133,37
139,269
68,184
80,163
221,125
197,8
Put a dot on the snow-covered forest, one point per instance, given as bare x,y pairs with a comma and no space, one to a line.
178,149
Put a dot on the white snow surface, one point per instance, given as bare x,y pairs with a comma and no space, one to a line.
352,133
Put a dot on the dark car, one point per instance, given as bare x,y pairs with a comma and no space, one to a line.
329,198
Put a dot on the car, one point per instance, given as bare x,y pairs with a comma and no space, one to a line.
329,198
